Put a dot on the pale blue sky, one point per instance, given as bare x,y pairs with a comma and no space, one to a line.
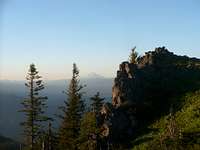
96,34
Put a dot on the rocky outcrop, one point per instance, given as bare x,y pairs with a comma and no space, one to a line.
143,90
123,85
155,72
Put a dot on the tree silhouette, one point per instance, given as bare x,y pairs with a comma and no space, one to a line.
72,114
133,56
34,108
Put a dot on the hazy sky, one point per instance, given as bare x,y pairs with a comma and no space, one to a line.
96,34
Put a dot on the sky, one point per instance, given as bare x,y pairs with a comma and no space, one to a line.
95,34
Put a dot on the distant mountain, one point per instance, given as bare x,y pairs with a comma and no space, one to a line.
94,75
12,93
8,144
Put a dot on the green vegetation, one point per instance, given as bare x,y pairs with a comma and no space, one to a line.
178,130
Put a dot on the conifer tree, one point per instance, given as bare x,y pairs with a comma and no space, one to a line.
34,108
96,103
72,114
88,132
133,56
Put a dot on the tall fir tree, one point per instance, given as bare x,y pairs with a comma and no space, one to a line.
96,103
72,114
34,108
133,56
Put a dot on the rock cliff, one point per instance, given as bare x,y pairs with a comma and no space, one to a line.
143,91
154,73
